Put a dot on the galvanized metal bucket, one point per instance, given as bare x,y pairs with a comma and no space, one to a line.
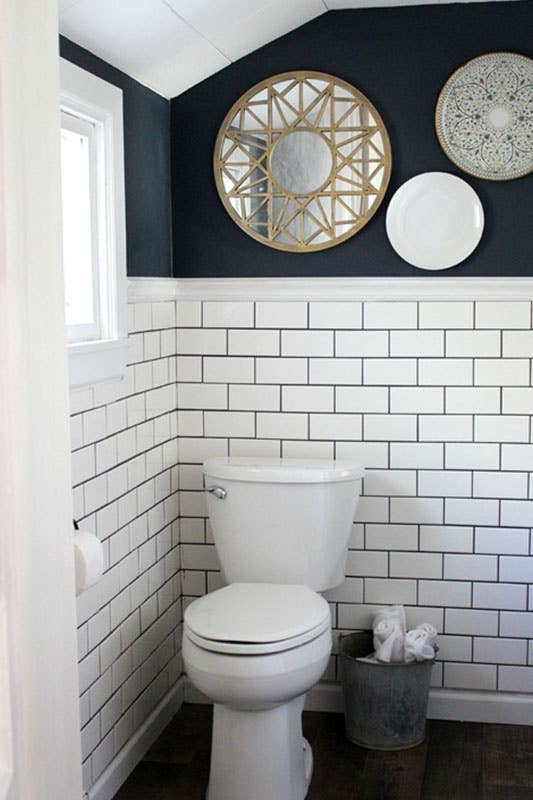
385,705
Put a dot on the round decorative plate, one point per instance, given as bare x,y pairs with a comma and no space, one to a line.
484,116
434,220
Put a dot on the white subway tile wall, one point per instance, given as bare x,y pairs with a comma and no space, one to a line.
434,399
125,475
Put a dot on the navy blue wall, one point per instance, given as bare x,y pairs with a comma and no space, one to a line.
400,58
147,165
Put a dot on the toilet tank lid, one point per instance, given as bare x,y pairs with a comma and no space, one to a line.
282,470
257,613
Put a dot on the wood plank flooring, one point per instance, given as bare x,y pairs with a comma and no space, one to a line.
458,761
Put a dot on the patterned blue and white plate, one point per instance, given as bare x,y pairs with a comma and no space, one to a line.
484,116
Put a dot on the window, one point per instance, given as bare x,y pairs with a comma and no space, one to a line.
92,184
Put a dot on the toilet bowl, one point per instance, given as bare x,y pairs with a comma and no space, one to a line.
255,650
255,647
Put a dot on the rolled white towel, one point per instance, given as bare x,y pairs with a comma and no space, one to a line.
430,630
391,614
388,641
418,646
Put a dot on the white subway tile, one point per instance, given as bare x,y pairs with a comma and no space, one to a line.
393,590
390,315
282,426
517,401
480,344
362,343
472,456
417,343
228,314
416,400
500,651
516,568
188,313
501,372
95,493
335,370
303,449
471,622
253,343
76,432
372,509
201,342
517,344
446,538
391,537
83,464
444,483
389,482
489,428
503,315
512,541
307,398
469,400
106,454
470,676
94,425
307,343
416,510
351,590
500,484
81,400
281,315
168,343
446,315
229,423
446,372
471,512
417,455
455,648
254,398
196,450
142,316
463,567
500,596
415,565
517,456
444,593
255,447
389,371
515,679
202,395
366,563
515,513
281,370
368,454
400,427
199,556
229,369
519,624
335,426
152,345
362,398
335,315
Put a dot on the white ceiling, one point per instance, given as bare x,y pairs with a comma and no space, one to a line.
170,45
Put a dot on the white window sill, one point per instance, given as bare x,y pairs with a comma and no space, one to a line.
97,362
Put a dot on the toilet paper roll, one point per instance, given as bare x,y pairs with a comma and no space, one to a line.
88,560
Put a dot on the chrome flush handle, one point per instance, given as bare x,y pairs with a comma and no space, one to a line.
218,491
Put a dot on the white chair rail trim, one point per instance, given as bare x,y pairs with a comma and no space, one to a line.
150,290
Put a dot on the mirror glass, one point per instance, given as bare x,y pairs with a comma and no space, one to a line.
302,161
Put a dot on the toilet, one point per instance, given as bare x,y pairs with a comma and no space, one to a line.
255,647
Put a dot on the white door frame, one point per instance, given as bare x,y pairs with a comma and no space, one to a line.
36,558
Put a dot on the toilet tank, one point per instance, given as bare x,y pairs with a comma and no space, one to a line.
282,520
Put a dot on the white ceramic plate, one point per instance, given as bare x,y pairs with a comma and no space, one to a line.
434,220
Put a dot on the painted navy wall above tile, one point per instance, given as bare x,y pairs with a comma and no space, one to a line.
147,165
400,58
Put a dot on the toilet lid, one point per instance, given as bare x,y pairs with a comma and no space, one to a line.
258,613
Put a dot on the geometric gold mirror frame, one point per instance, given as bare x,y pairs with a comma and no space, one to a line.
302,161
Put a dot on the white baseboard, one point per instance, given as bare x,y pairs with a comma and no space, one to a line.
127,759
453,704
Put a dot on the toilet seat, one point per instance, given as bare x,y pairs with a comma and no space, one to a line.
255,619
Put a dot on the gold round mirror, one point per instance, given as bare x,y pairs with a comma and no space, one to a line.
302,161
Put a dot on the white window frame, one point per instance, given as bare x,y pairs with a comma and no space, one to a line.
87,97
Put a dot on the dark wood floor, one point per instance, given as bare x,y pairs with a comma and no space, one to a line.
458,761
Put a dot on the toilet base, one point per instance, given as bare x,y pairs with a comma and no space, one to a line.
260,754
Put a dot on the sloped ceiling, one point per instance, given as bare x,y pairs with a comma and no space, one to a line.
170,45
